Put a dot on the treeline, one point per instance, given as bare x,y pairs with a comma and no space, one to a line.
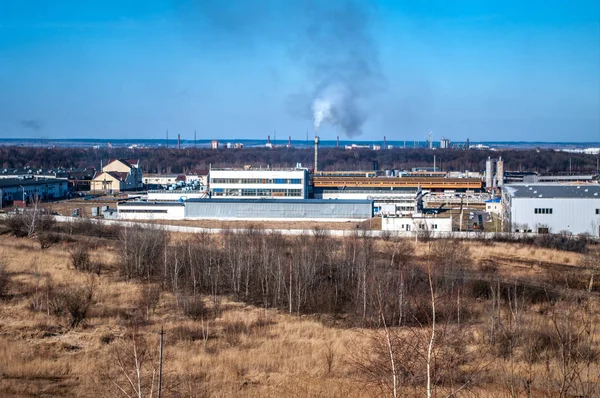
162,160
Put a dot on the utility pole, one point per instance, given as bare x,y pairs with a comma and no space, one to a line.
162,334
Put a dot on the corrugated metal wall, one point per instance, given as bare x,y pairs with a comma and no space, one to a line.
273,210
577,215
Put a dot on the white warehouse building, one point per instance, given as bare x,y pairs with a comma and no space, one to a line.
553,208
259,184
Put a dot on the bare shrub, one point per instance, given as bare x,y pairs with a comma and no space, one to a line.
48,239
4,279
194,307
148,298
15,223
80,257
232,332
74,302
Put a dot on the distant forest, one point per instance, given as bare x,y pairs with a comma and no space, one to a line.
160,160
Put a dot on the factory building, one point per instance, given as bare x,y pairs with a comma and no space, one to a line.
417,223
257,184
258,210
553,208
27,189
162,179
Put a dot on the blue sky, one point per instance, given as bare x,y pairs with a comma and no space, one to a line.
484,70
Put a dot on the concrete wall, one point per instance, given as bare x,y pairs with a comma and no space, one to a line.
150,211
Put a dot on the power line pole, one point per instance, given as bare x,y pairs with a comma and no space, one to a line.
162,334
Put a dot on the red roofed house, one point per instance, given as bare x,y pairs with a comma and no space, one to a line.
118,175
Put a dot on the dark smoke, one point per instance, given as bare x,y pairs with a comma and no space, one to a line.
31,124
342,62
329,39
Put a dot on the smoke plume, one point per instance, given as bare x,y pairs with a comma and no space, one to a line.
342,64
329,40
31,124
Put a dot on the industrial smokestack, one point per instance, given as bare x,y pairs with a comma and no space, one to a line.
268,139
384,142
289,141
316,153
178,141
337,142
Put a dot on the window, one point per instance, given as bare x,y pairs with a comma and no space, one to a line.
597,211
542,211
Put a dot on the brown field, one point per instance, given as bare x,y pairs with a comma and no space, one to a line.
243,351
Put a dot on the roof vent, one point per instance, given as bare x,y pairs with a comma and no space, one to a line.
585,190
534,191
540,196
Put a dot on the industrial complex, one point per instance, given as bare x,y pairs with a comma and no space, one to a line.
410,201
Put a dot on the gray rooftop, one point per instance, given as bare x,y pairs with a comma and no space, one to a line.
287,201
17,182
590,191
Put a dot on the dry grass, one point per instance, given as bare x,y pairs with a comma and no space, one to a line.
244,351
266,354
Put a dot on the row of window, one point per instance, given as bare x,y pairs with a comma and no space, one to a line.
256,180
542,211
256,192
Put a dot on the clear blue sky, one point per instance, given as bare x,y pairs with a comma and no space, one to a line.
484,70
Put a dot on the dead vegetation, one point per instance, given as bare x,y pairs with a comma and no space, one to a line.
259,314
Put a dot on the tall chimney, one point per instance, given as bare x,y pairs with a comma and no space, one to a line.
316,153
337,142
384,142
289,141
268,139
178,141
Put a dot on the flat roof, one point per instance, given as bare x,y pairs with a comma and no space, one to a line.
286,201
153,203
590,191
17,182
